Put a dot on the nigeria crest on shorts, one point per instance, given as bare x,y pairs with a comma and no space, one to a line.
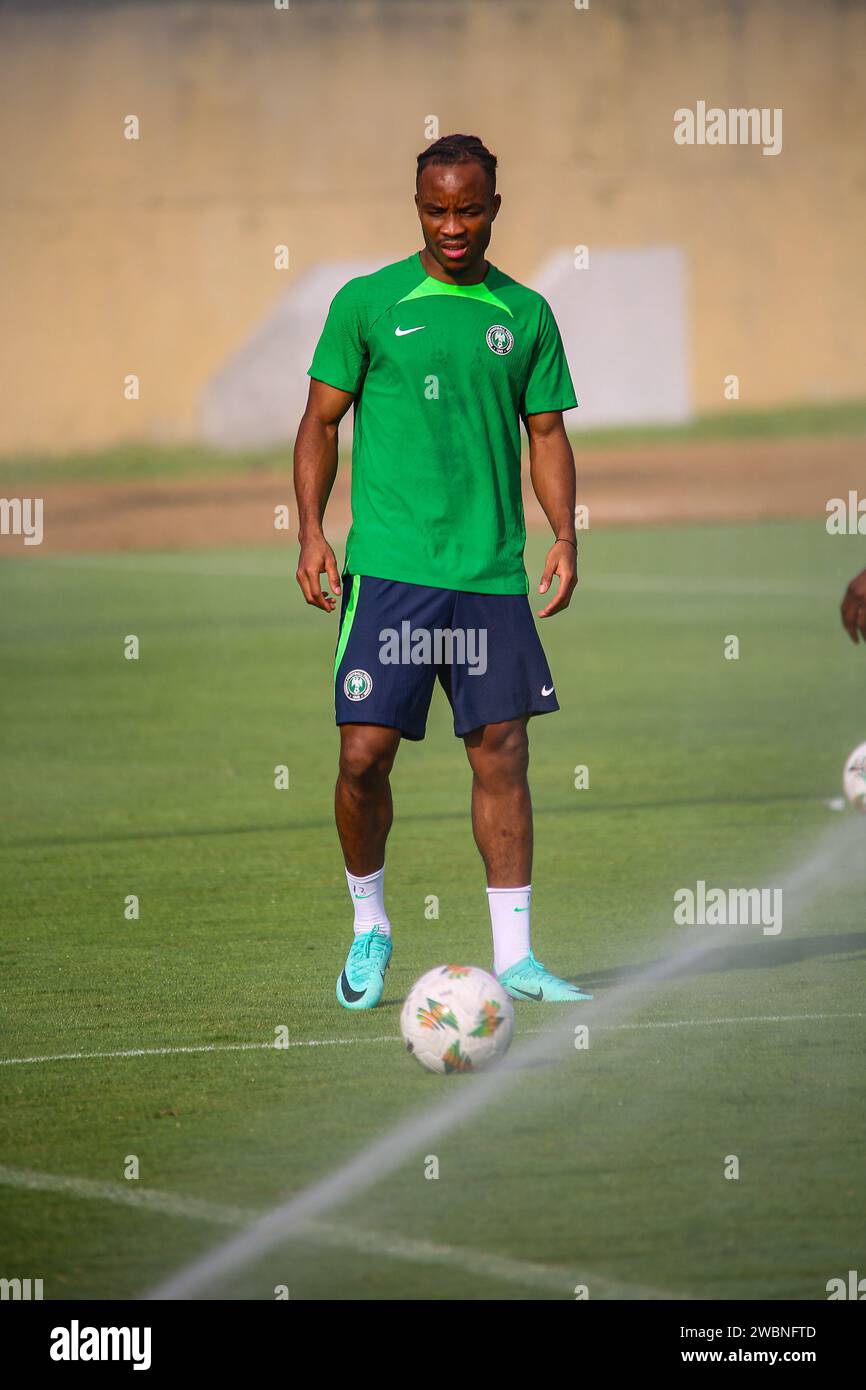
499,339
357,685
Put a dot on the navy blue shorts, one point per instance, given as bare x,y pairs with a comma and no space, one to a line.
396,640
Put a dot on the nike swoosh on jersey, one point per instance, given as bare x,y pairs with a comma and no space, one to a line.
545,691
401,332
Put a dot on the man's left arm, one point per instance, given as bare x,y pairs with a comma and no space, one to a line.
551,469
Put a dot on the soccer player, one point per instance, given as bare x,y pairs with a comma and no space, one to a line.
442,355
854,607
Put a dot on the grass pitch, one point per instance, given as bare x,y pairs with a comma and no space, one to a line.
137,462
155,778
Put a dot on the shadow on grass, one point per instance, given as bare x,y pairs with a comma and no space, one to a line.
415,818
766,954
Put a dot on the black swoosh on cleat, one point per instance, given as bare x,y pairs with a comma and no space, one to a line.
350,995
537,997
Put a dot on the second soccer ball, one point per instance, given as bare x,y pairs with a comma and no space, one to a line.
854,778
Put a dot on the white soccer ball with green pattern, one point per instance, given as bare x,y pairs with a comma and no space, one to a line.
854,778
457,1018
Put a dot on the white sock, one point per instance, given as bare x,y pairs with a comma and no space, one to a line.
509,917
368,900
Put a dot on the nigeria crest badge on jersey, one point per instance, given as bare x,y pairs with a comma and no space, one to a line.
499,339
357,685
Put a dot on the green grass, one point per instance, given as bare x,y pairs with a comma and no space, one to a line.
155,778
737,423
137,462
142,462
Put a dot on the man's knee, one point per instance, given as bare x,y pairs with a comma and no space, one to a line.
500,750
366,756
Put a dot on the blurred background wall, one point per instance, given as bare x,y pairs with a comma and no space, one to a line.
261,127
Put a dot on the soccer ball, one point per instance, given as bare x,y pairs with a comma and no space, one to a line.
457,1018
854,778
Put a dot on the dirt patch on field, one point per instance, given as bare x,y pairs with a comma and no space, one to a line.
662,484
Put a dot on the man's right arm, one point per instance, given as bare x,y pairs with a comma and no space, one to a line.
315,471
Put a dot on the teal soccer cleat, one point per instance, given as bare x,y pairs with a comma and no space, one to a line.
362,980
528,979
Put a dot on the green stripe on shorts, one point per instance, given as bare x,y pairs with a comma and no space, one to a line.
347,623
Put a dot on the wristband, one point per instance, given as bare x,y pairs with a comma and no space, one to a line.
560,539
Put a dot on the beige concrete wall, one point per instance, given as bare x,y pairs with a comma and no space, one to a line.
261,126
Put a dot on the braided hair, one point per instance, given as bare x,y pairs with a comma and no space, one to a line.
458,149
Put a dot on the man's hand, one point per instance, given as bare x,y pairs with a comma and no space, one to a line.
562,562
854,607
317,558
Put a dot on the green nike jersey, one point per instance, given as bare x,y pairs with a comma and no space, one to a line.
441,375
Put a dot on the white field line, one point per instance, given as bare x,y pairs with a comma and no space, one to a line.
206,565
395,1037
698,586
528,1274
203,1047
